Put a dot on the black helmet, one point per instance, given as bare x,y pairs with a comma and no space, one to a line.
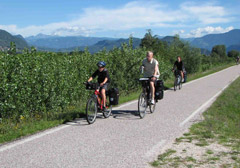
101,64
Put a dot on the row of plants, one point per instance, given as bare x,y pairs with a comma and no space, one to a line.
43,85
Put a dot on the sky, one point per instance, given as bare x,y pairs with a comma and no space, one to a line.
119,18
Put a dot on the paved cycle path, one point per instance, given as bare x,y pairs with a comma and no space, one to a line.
124,140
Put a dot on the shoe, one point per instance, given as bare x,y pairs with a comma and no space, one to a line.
104,109
182,80
152,102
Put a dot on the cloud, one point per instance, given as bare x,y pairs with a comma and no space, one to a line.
133,15
208,13
178,32
199,32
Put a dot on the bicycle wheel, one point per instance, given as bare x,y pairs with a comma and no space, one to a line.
142,105
107,113
180,83
152,107
91,110
175,84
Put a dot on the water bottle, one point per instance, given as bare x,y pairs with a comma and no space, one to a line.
142,69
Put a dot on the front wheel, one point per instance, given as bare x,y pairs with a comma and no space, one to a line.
152,107
142,105
91,110
180,83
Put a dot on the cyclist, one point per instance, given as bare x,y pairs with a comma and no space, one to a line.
179,65
103,80
237,59
151,70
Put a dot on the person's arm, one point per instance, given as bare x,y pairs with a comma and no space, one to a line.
106,77
105,81
142,67
174,65
90,79
156,70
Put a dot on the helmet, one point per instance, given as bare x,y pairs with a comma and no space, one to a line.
101,64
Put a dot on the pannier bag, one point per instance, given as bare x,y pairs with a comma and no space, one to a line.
113,96
91,86
159,90
185,77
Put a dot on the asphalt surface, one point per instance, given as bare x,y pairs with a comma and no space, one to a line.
124,140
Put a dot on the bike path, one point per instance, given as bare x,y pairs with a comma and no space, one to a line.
123,140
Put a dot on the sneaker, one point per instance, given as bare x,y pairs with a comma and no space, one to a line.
152,102
182,80
104,109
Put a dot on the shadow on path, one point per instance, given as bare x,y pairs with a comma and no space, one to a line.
126,114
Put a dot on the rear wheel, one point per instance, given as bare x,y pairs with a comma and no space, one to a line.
91,110
142,105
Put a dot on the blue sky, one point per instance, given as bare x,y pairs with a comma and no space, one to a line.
119,18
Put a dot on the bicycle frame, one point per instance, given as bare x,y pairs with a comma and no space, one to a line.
99,99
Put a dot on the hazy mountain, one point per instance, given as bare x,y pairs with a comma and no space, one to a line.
234,47
107,44
58,42
6,38
228,39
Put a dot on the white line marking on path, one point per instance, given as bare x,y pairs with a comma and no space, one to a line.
154,151
125,104
206,76
206,104
31,138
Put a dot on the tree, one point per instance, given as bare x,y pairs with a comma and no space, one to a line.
219,50
233,53
149,41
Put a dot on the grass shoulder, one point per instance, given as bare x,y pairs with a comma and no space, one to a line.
213,142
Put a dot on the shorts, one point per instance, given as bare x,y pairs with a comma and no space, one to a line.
105,86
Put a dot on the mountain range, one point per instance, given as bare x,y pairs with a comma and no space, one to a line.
6,38
43,42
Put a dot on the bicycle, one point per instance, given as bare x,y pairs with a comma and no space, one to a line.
144,100
178,80
95,104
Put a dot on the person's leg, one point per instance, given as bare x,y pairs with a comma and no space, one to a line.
152,89
182,75
103,94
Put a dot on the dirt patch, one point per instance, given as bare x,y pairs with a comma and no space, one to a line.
188,152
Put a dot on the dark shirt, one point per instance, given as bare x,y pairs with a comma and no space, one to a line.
179,65
101,75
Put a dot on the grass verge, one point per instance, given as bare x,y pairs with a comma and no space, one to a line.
11,131
215,141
